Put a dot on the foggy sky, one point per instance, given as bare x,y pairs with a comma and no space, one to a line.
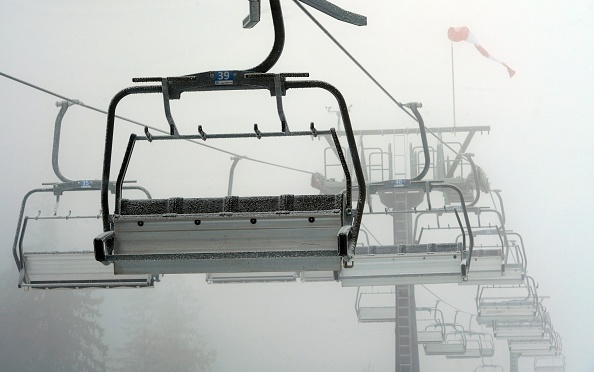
537,153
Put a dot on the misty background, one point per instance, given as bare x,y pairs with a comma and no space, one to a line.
537,152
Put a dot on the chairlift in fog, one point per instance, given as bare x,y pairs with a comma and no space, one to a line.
478,344
231,234
549,363
55,267
501,303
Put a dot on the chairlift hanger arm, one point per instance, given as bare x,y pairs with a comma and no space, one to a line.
336,12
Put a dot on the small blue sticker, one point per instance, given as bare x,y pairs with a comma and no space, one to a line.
223,77
399,183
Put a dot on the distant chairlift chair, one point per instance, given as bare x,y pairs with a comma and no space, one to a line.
413,263
56,268
511,303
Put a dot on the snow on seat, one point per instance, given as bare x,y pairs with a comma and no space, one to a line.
228,235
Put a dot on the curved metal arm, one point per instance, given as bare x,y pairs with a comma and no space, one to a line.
521,251
497,192
348,129
56,145
18,259
477,194
413,106
262,81
466,220
279,40
336,12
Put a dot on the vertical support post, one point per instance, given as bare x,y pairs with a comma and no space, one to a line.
407,348
453,87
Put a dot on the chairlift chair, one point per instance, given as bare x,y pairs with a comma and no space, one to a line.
489,368
56,267
525,329
442,262
549,364
549,345
261,277
430,329
497,260
478,345
519,304
230,234
454,342
375,304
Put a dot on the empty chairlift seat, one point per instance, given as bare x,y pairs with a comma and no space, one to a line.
430,328
61,260
549,364
228,235
404,264
286,233
77,269
549,345
507,303
534,328
256,277
454,342
375,305
478,345
489,368
496,260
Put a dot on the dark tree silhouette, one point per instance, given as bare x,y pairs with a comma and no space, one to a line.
49,330
162,331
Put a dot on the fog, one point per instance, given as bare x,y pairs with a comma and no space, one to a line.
536,152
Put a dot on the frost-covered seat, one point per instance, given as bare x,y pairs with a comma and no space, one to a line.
229,234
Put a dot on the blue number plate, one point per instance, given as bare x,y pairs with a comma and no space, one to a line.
223,77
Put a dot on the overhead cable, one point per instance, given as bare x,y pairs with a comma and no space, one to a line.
77,102
314,20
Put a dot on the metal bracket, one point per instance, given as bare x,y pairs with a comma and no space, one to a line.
253,17
337,12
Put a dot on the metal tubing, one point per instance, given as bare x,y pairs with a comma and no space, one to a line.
466,220
279,39
477,196
235,159
414,109
18,259
56,146
345,167
344,112
109,144
122,173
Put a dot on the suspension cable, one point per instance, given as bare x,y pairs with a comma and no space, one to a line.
76,102
343,49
